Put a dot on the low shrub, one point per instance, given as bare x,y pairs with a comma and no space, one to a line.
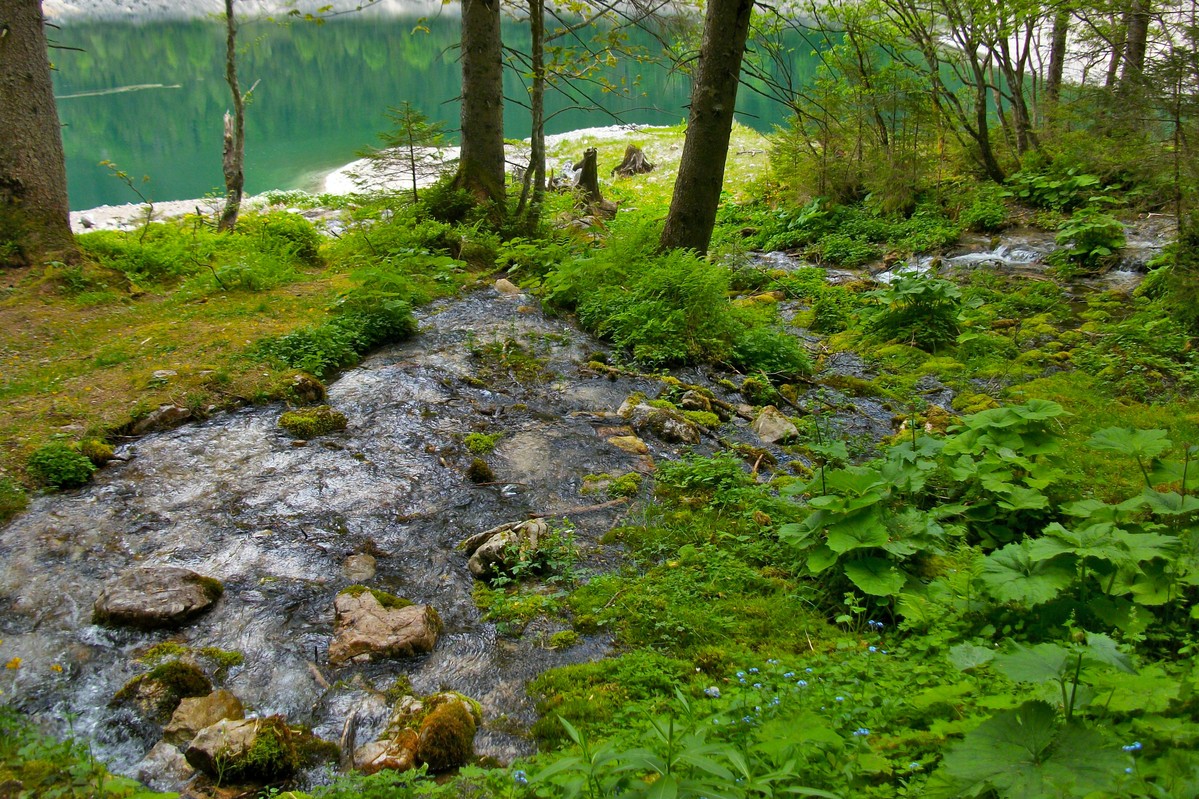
59,465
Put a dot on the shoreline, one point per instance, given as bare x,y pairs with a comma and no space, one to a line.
347,179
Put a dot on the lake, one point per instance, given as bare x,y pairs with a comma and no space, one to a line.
149,96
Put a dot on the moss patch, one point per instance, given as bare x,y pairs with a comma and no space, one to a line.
389,601
312,422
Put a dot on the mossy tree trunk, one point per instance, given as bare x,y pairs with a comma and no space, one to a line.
481,164
35,223
696,196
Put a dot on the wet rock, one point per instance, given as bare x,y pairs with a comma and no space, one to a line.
196,713
507,287
365,629
630,444
157,693
773,427
163,767
307,390
155,596
695,401
497,550
358,568
665,424
164,417
245,750
437,731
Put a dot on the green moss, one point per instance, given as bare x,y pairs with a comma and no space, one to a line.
627,485
399,689
312,422
158,692
481,443
479,472
389,601
446,737
272,757
564,639
703,418
758,391
213,587
167,650
97,451
182,678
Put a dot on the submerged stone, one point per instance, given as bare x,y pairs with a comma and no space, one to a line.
365,629
155,596
196,713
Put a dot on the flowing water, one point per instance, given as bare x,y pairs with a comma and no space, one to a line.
235,497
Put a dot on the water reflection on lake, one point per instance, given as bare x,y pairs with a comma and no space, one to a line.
149,96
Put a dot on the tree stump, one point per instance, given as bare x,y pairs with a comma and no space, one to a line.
586,183
634,163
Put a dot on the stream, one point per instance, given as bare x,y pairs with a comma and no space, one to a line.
234,497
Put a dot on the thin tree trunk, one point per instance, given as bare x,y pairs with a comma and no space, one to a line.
481,163
1118,43
233,160
34,216
534,182
696,196
1135,44
1057,56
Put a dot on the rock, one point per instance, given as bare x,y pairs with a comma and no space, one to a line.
773,427
365,629
665,424
157,693
163,418
358,568
307,390
245,750
437,731
630,444
695,401
497,550
155,596
163,768
163,375
507,288
196,713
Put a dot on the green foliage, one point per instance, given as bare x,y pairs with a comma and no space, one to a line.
1054,188
34,764
1090,237
918,309
764,350
59,465
308,423
12,498
987,211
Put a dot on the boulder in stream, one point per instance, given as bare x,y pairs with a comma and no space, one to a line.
260,750
163,767
437,731
665,424
374,624
197,712
157,693
773,427
155,596
164,417
500,549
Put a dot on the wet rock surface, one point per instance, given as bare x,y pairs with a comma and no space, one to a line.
366,630
162,596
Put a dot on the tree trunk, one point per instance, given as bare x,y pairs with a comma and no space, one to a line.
35,222
696,196
1135,44
233,160
534,180
1057,56
481,164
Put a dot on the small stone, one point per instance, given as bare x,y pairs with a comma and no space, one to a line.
773,427
695,401
506,287
196,713
630,444
163,768
358,568
162,375
163,418
307,389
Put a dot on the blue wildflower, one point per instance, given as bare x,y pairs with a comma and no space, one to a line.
712,691
802,683
754,670
757,685
788,675
740,674
774,701
914,765
808,669
1128,770
520,777
872,649
838,699
747,719
772,662
861,731
1135,746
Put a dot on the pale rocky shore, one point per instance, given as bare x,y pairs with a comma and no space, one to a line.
67,10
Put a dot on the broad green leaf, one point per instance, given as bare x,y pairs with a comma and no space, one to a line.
1103,650
965,657
820,558
1128,441
1036,664
1151,691
948,694
1169,503
875,576
1021,498
862,531
1012,574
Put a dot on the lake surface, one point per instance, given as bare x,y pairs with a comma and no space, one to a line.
150,96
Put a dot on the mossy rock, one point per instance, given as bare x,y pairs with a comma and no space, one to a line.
97,451
389,601
249,750
479,472
158,692
309,423
446,738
